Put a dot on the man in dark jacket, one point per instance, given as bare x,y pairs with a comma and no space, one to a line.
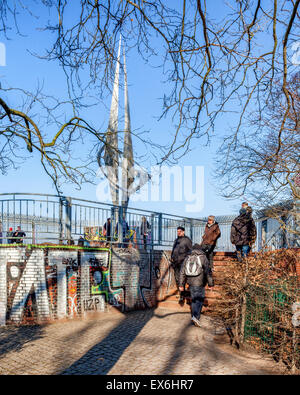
145,230
107,230
196,279
209,239
181,247
243,233
18,236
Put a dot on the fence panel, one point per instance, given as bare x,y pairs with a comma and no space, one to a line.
58,219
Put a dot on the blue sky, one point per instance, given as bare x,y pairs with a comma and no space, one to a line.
145,91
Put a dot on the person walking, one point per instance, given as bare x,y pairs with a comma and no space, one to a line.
243,233
195,271
181,247
209,239
145,230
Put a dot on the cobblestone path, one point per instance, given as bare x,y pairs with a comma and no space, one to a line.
157,341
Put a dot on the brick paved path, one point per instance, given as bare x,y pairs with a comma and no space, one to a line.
158,341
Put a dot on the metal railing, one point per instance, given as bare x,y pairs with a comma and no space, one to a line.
58,219
63,220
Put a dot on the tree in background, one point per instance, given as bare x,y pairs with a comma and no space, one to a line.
215,67
265,163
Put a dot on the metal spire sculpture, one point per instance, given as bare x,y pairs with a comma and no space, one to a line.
128,162
111,155
111,147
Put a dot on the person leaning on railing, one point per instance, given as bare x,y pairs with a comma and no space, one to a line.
107,230
145,230
18,236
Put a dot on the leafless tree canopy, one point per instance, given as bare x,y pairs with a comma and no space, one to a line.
265,161
217,66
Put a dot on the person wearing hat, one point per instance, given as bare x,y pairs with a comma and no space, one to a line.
9,234
181,248
209,239
243,233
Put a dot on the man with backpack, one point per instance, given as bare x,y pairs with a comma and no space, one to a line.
196,272
181,247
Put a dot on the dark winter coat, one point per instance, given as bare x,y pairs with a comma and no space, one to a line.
18,236
243,230
107,227
145,227
211,234
181,247
197,281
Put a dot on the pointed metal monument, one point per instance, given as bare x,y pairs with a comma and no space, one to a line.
128,162
111,156
111,148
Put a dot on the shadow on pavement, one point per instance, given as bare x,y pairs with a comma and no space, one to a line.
103,356
167,314
15,338
178,351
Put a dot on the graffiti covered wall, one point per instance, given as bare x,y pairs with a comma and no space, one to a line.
42,284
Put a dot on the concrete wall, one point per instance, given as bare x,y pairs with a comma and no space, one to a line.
44,284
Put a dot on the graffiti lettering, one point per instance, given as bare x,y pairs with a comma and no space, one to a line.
41,284
94,303
69,261
114,300
96,262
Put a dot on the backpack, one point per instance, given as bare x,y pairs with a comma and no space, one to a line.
193,266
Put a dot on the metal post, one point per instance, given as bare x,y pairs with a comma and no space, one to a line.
159,229
60,220
191,229
284,236
33,232
112,224
120,225
152,231
68,203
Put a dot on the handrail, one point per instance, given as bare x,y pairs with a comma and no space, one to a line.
48,216
100,203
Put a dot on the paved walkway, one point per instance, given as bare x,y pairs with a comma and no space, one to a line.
157,341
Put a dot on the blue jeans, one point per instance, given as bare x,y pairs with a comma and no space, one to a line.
197,295
242,251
